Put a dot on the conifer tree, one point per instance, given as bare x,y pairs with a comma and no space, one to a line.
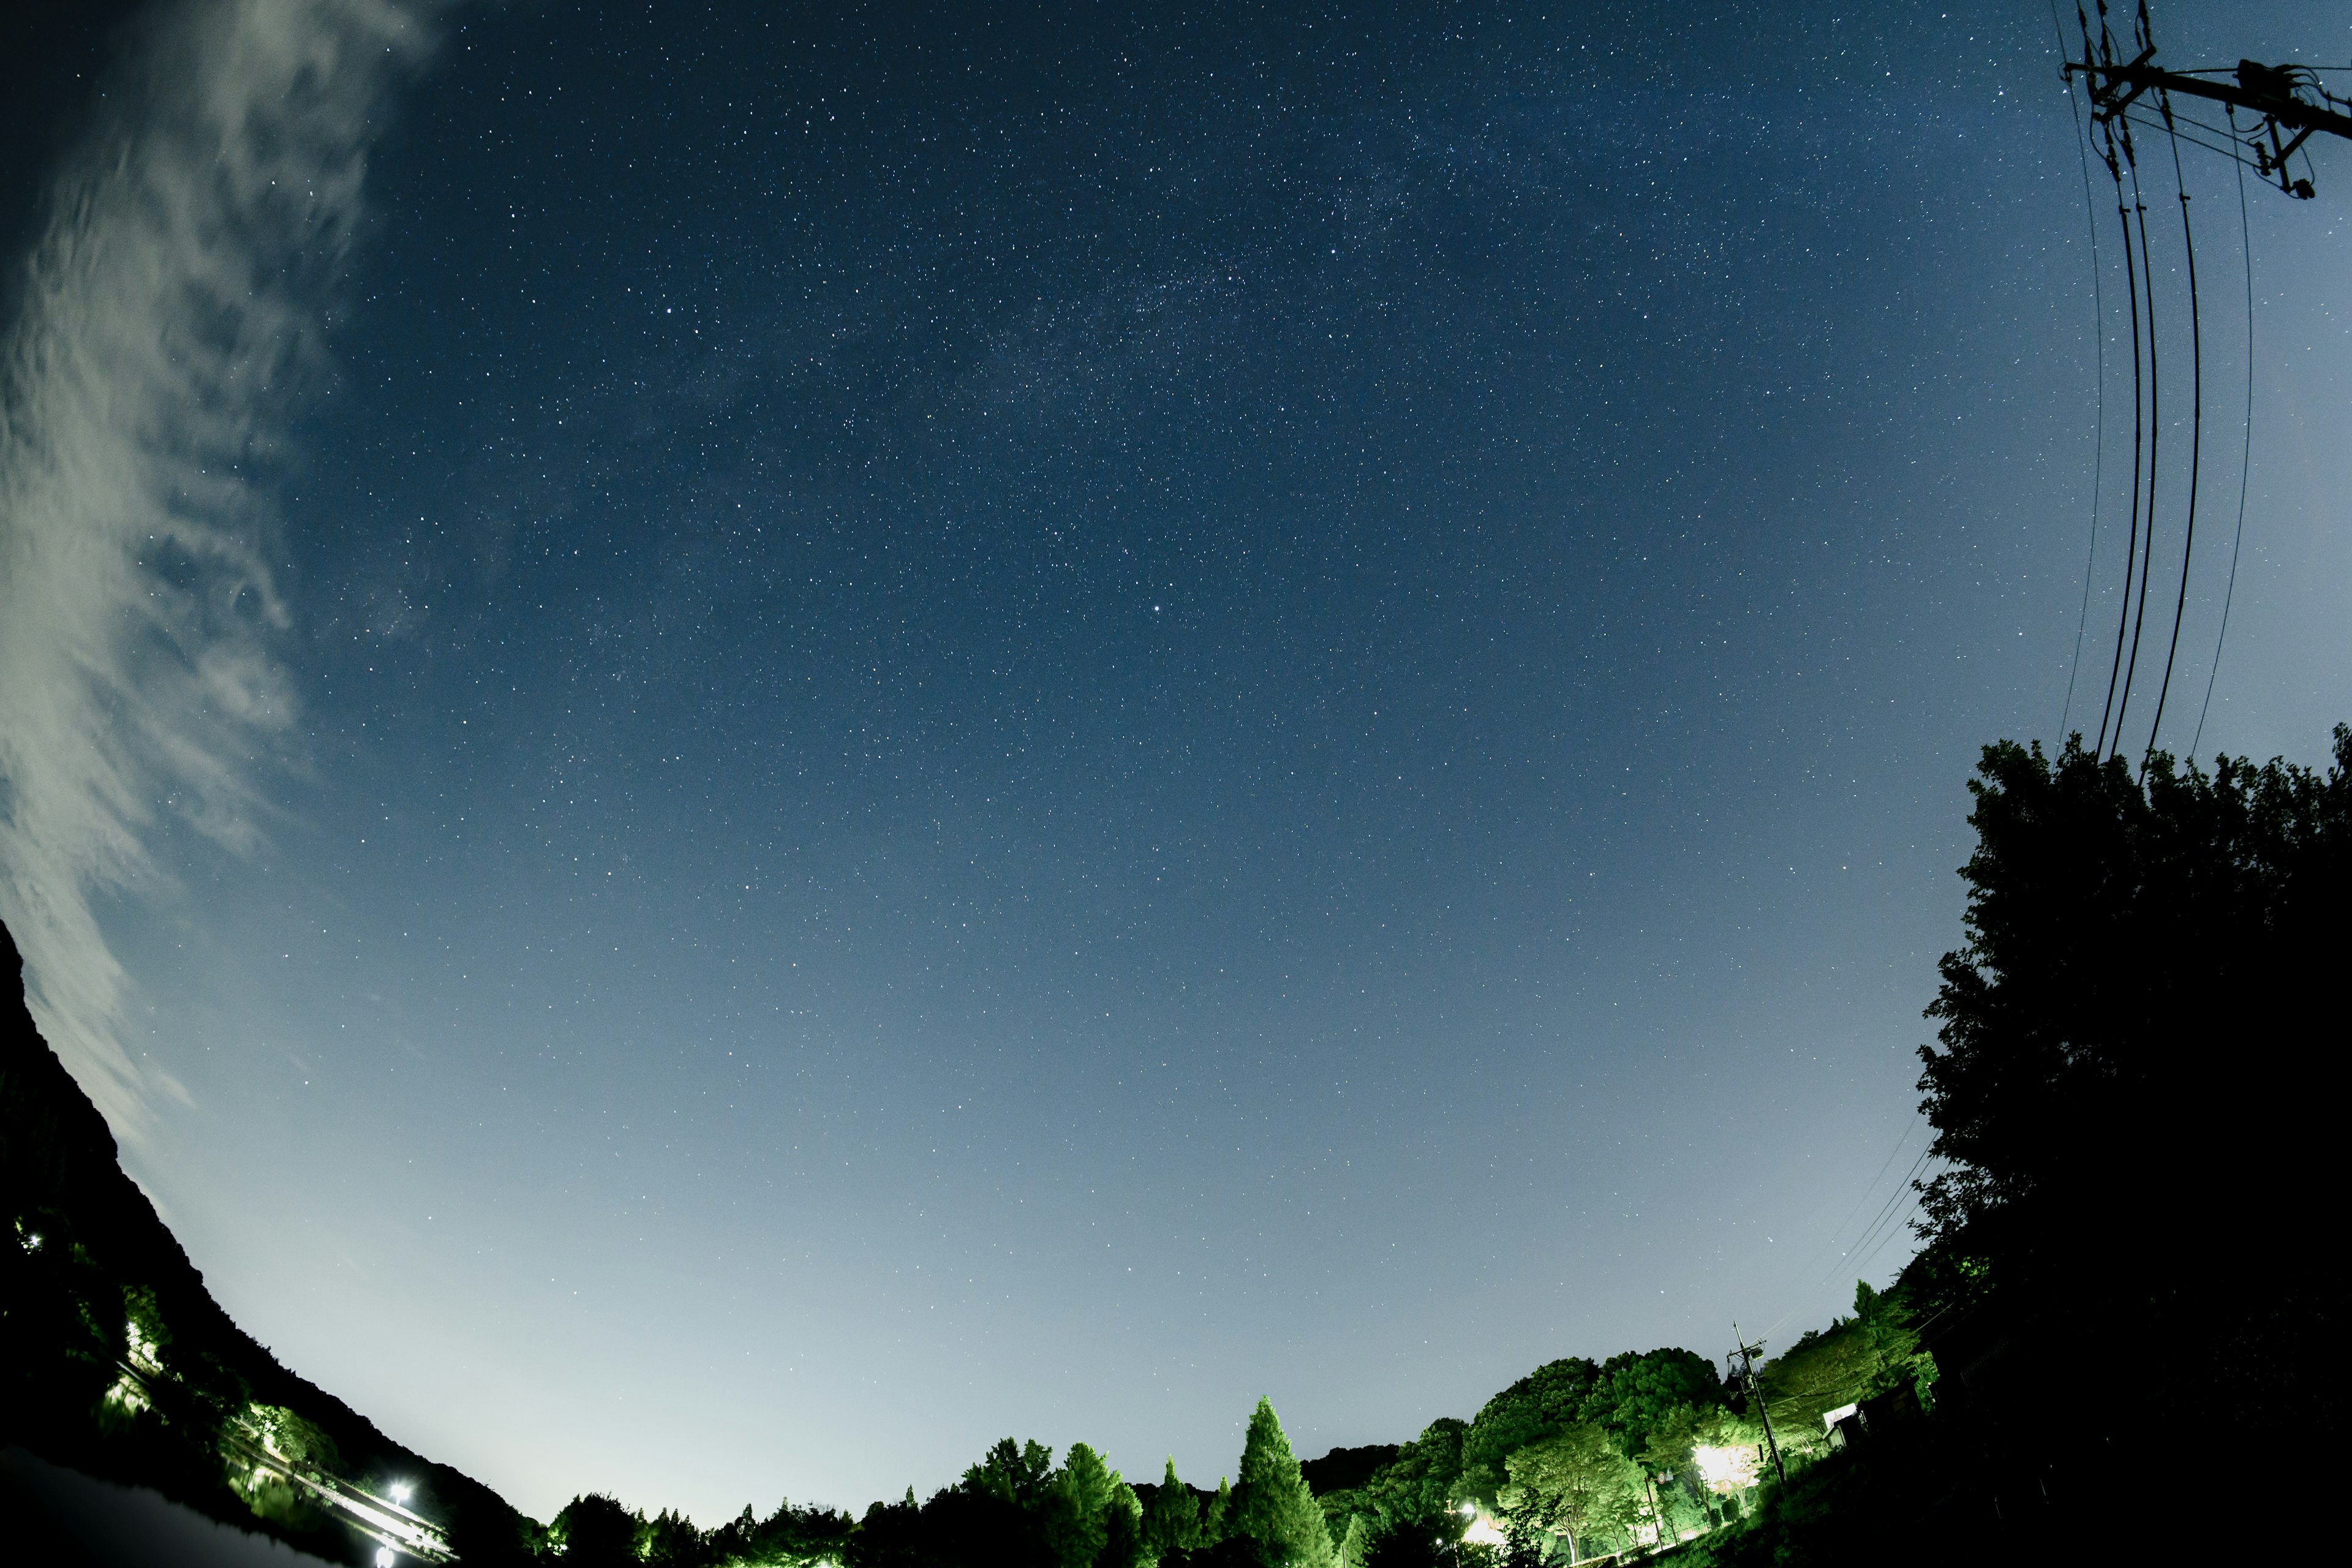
1218,1521
1356,1544
1174,1523
1123,1543
1272,1505
1076,1501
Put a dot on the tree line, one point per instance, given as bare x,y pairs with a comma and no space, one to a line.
1577,1458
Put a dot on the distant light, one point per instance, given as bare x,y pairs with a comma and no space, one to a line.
1483,1532
399,1491
1469,1511
1726,1468
383,1557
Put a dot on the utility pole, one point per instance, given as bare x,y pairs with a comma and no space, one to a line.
1747,1352
2288,100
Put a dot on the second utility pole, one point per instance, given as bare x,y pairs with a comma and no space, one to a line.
1756,1396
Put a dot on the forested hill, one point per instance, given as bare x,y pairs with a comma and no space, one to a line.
93,1279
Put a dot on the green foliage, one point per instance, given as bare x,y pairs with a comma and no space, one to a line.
1355,1542
1216,1519
789,1538
1272,1504
1123,1543
1172,1522
1541,1405
1637,1398
1016,1472
294,1439
670,1540
1578,1484
1418,1488
1074,1503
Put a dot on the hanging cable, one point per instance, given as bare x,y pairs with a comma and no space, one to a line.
2155,434
1888,1163
2131,543
2099,352
2196,442
1863,1262
2245,459
2220,148
1891,1210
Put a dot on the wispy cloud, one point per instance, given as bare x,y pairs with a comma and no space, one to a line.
167,320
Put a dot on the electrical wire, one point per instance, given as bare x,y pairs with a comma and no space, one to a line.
2232,70
2223,148
2245,459
2155,436
1887,1211
2235,153
1860,1267
1885,1165
2196,448
2099,352
2131,543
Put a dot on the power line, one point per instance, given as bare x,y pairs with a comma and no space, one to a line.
2245,459
1908,1127
1860,1267
2099,353
2196,441
2233,153
1901,1189
2131,542
2155,436
1888,1208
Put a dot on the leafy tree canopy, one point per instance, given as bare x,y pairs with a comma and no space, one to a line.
1544,1402
595,1531
2122,939
1016,1472
1577,1482
1419,1485
1636,1395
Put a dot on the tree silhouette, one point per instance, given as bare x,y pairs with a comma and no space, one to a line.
596,1531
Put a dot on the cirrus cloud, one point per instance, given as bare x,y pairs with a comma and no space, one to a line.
167,321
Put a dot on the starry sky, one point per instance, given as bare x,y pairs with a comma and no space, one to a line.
748,742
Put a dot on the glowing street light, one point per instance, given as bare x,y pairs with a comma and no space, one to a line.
383,1557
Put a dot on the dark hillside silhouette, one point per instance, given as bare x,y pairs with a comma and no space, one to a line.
102,1252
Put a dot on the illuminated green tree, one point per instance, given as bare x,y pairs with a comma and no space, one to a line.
1419,1487
1634,1394
1539,1406
1016,1472
670,1540
1356,1544
1217,1518
1578,1484
1074,1503
1173,1523
1123,1543
1273,1505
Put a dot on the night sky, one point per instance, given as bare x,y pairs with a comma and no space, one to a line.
746,745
